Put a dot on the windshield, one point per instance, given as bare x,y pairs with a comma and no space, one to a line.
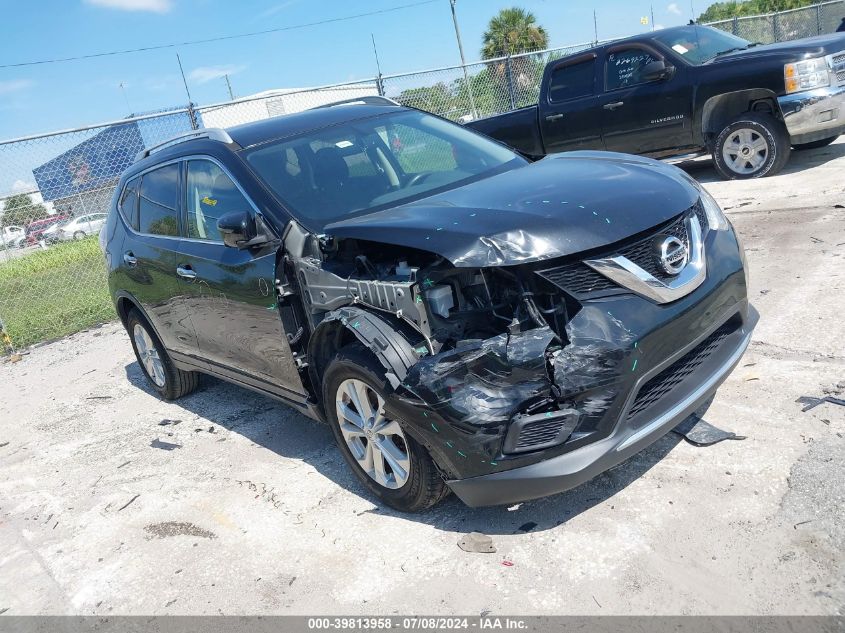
699,44
373,163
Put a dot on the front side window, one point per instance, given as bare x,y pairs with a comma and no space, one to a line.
572,81
128,203
374,163
210,195
158,201
625,67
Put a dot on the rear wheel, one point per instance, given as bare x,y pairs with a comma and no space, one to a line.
751,146
814,144
387,460
167,379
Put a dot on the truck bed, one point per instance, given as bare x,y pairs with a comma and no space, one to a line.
519,129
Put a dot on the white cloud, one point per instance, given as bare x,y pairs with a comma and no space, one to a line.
22,185
14,85
204,74
155,6
674,9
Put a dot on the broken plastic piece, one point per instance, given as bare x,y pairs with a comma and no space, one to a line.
811,403
700,433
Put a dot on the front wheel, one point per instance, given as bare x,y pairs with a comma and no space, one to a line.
814,144
79,235
751,146
167,379
387,460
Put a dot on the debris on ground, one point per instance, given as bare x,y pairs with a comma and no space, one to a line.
127,504
177,528
811,402
698,432
507,563
168,422
4,444
477,543
165,446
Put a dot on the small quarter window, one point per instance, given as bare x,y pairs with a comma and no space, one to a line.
128,203
211,194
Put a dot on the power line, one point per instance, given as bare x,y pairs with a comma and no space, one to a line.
218,39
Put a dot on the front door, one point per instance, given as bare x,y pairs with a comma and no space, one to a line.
569,116
641,116
229,293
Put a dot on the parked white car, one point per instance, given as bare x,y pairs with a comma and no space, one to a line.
11,235
81,226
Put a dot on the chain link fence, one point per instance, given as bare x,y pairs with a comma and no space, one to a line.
786,25
55,188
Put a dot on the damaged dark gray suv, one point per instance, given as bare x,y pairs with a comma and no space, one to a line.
463,319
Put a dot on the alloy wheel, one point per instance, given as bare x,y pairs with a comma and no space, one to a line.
376,443
745,151
148,355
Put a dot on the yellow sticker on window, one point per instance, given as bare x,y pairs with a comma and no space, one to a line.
209,201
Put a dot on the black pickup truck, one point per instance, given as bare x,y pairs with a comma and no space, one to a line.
687,90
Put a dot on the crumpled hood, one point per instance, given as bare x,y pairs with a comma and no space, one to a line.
793,50
561,205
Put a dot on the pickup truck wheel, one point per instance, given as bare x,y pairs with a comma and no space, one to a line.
167,379
387,460
815,144
751,146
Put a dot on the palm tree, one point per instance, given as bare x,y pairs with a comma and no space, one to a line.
513,31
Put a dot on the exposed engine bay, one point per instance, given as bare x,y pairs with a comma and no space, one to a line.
446,306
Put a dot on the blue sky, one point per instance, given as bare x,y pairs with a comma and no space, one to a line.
47,97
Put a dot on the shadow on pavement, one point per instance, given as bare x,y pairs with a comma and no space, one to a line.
703,171
276,427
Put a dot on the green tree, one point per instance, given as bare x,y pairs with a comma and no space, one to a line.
20,210
513,31
728,10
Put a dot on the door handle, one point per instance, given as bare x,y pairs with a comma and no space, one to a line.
129,259
614,105
554,117
186,272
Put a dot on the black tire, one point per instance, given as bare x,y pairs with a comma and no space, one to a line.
424,486
176,382
761,128
814,144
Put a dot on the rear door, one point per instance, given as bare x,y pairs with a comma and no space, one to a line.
229,293
641,116
568,110
150,204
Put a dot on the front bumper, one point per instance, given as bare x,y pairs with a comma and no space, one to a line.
815,114
578,466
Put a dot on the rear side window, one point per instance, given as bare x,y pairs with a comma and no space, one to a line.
158,201
572,81
128,203
624,68
211,194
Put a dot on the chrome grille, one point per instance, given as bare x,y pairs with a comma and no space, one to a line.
579,279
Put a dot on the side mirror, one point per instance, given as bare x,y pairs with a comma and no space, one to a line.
243,230
657,71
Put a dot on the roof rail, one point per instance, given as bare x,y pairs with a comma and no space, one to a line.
367,100
211,133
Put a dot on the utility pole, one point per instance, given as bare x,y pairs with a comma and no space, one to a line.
595,27
229,87
126,98
184,81
463,60
652,17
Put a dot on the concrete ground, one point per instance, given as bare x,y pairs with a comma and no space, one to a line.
114,502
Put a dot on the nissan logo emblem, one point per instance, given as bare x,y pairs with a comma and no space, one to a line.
672,254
